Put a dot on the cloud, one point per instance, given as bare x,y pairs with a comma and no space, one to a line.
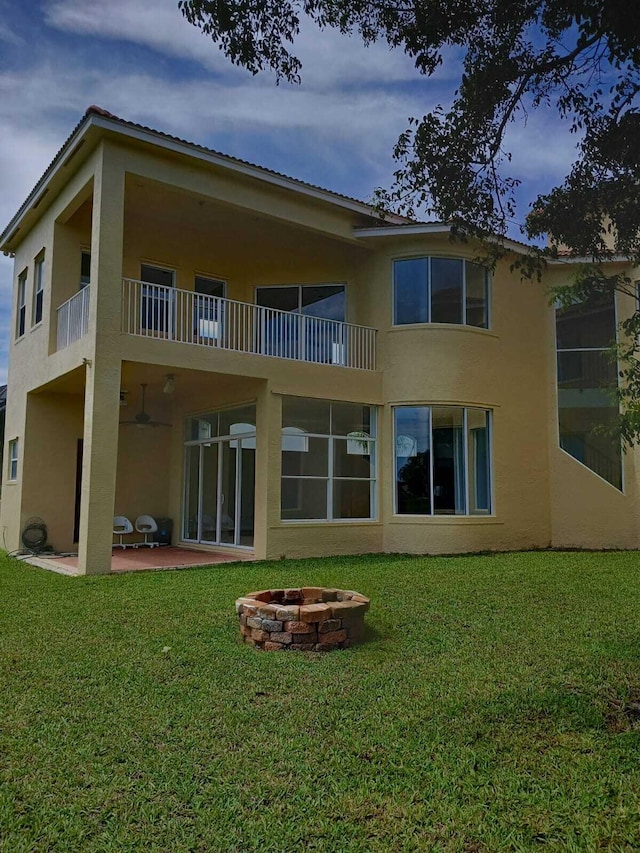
8,35
542,146
157,24
209,111
329,58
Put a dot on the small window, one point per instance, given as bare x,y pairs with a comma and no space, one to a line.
38,290
21,315
85,269
13,459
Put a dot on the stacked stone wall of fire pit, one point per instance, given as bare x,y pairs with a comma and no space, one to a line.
307,619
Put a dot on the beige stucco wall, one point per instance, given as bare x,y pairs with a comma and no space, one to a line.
30,365
54,424
223,242
504,369
143,479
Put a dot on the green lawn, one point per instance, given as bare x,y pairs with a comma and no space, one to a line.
487,711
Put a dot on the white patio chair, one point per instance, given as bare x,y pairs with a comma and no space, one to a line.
122,527
147,525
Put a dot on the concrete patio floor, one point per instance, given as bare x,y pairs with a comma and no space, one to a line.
144,559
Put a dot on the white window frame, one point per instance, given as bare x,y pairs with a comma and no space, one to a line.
235,438
300,287
465,438
330,477
303,322
428,322
556,309
38,289
21,305
13,452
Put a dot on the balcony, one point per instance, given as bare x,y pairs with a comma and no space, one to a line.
182,316
73,319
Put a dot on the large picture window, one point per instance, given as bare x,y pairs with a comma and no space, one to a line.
442,460
328,460
587,383
440,290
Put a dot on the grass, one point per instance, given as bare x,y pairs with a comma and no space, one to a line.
488,710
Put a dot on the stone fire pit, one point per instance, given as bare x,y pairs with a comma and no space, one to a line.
309,619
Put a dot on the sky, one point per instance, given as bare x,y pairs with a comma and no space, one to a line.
142,61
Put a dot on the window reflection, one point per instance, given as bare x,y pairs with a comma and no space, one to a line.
587,383
328,460
443,460
440,290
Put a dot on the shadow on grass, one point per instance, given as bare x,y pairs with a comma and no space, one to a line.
371,635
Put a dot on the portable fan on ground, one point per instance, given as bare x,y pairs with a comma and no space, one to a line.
34,535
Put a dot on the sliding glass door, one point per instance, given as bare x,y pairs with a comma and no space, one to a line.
219,486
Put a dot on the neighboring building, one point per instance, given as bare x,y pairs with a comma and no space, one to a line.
327,383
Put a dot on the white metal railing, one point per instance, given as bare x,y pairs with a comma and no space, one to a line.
73,318
155,311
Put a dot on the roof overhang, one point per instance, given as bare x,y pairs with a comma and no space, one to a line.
427,228
97,124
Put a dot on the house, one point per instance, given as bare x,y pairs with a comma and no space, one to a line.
279,372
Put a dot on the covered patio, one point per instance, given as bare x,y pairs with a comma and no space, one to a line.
143,559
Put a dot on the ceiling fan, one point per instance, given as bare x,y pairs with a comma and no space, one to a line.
143,418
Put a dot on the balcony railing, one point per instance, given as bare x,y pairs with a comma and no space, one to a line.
73,318
165,313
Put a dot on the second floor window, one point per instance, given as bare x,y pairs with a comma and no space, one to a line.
326,301
440,290
38,290
85,269
303,321
21,315
208,311
157,304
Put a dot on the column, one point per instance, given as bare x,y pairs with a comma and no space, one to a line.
102,388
